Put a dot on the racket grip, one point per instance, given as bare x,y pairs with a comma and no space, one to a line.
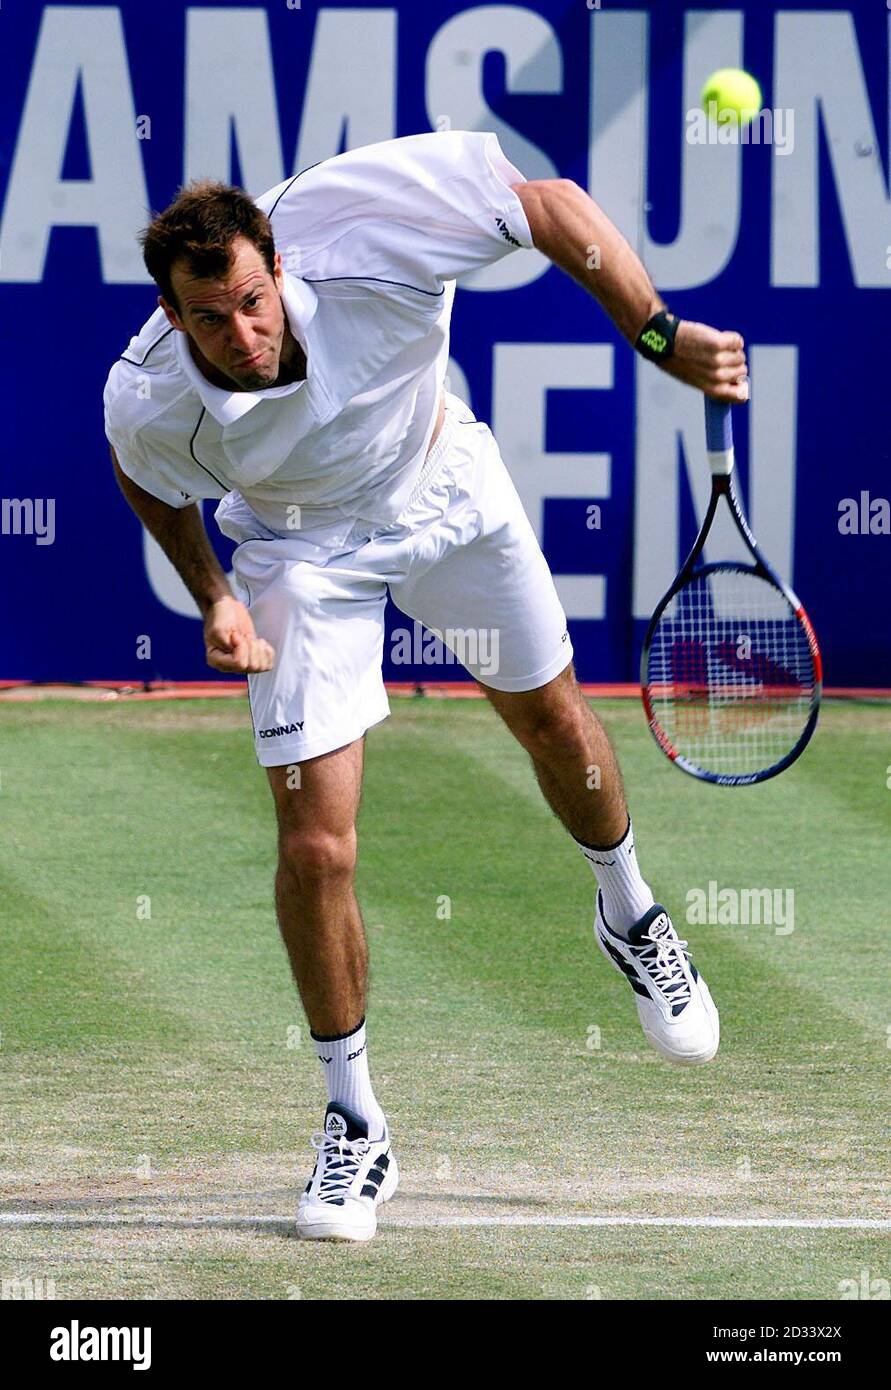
719,436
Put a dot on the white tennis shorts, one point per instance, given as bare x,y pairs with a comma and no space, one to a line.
463,560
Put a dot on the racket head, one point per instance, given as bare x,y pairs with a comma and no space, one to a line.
731,674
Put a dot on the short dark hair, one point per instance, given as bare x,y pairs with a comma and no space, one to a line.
199,228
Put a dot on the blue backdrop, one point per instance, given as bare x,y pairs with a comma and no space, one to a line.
107,108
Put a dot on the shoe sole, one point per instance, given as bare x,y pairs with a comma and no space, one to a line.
343,1231
693,1059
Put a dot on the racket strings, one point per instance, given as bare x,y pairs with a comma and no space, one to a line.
731,675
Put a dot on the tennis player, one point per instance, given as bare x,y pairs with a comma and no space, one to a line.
295,370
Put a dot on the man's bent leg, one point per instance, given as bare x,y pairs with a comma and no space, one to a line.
579,775
481,581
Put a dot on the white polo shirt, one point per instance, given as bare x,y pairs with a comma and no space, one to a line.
371,243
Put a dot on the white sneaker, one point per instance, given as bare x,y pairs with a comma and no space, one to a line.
352,1174
676,1011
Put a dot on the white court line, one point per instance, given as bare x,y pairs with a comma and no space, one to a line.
778,1223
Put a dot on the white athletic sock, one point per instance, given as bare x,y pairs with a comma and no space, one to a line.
626,897
344,1061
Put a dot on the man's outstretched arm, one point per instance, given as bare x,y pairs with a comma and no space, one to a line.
231,643
567,225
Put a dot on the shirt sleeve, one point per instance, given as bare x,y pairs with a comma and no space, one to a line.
419,211
131,454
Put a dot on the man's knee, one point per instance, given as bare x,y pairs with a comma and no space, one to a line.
552,731
318,856
556,719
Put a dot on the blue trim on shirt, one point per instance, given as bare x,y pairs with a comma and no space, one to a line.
195,457
375,280
149,349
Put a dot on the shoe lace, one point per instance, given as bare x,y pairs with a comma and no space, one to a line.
340,1163
664,958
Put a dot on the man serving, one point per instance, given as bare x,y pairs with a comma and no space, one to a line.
295,369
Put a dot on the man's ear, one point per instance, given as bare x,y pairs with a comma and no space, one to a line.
172,315
277,271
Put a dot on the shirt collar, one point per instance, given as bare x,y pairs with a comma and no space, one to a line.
300,303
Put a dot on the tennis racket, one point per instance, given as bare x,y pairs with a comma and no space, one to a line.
730,671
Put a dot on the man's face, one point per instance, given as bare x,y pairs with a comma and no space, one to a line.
236,322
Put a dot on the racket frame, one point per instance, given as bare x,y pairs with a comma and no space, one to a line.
721,462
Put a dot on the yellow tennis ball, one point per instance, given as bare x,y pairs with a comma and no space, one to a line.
731,96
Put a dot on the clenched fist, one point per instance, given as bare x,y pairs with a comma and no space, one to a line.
230,641
712,361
